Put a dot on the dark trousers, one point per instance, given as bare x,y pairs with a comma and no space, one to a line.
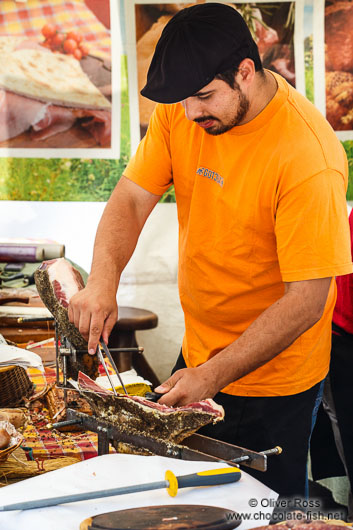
260,423
341,372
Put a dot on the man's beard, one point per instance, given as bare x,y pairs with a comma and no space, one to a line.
215,130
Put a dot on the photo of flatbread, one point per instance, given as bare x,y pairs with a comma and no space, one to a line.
49,77
9,43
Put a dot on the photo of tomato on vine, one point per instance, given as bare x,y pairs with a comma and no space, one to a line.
55,74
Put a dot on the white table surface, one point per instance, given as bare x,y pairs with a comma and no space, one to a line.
114,470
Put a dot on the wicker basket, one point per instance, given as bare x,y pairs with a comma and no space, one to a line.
15,385
15,440
5,453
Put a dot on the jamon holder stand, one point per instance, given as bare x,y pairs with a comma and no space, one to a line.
195,447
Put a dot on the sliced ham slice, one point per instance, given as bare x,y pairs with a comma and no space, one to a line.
55,119
17,114
137,415
59,119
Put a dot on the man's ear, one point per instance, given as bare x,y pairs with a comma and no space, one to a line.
246,71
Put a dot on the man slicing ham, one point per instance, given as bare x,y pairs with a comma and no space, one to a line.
260,181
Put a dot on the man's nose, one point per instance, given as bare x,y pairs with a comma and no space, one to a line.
193,108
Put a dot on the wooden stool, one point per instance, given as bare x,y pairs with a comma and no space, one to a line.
129,321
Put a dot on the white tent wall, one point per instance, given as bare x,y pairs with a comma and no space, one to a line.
148,282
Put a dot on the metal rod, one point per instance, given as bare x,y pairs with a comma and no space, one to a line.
21,320
139,349
269,452
101,358
57,353
54,501
108,354
65,423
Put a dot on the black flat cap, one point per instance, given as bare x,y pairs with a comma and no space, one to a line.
197,43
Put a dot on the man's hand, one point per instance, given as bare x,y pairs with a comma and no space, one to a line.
94,312
188,385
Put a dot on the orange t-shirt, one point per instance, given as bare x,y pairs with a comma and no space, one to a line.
259,205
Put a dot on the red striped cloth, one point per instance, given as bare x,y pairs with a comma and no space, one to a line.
44,443
27,19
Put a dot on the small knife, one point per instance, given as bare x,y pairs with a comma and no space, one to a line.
109,355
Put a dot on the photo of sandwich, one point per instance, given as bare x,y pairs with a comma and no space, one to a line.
55,79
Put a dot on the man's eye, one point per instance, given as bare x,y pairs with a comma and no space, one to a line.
204,97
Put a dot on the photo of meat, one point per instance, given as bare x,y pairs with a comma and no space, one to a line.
339,64
55,74
272,27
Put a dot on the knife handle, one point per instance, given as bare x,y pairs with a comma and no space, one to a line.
212,477
153,396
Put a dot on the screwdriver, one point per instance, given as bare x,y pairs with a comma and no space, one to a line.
212,477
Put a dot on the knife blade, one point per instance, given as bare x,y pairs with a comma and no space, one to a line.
101,359
109,355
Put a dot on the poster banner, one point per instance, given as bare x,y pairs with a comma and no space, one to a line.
277,28
59,93
333,63
54,146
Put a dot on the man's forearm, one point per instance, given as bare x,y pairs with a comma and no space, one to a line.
271,333
93,310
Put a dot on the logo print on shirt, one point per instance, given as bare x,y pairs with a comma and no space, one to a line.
209,174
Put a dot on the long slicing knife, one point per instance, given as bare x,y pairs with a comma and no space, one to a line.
109,355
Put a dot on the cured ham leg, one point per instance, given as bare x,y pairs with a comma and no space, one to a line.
57,281
137,415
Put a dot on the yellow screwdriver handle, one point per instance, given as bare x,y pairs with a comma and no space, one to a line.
212,477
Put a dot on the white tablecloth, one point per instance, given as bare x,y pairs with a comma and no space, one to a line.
114,470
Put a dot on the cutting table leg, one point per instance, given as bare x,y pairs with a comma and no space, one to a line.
103,442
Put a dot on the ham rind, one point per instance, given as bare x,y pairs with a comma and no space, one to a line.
137,415
57,281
